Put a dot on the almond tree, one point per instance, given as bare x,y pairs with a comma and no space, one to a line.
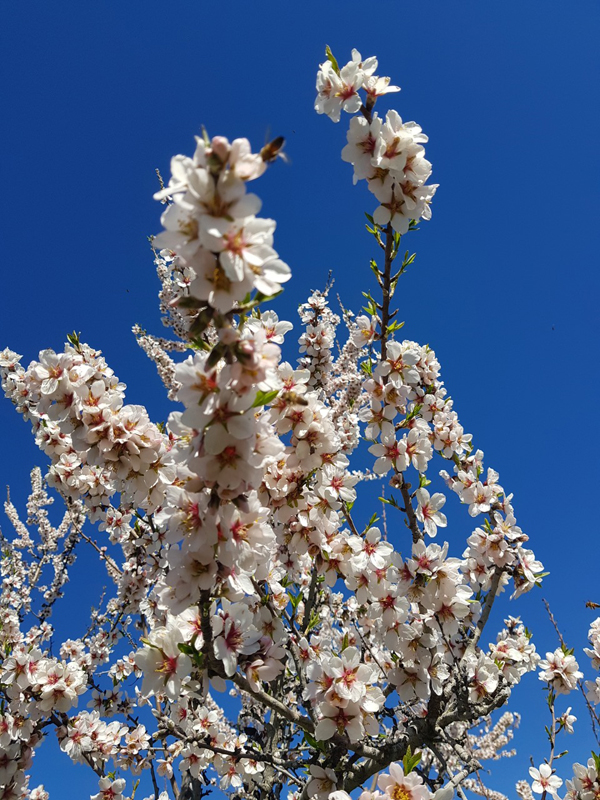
353,655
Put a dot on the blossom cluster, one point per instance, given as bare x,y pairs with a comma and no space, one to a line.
211,232
388,154
98,445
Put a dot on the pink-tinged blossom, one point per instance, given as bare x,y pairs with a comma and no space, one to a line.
428,511
561,671
371,552
337,92
109,789
351,677
347,720
163,664
234,634
390,454
399,143
245,250
544,780
362,139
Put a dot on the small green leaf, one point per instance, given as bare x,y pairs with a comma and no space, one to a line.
259,297
390,501
410,760
199,344
73,338
331,58
263,398
295,600
313,742
414,412
313,622
395,326
193,654
372,521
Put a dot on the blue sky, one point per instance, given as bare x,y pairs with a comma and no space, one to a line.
505,287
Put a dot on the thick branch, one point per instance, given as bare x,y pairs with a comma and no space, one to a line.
485,612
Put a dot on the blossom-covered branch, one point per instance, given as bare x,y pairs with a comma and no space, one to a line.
241,554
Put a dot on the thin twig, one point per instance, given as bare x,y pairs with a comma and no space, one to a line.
593,715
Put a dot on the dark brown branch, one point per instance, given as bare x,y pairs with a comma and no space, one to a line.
386,289
417,534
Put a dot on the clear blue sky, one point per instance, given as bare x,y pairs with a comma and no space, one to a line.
505,289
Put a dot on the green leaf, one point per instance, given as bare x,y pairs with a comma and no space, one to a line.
408,259
196,657
263,398
313,742
259,297
414,412
390,501
295,600
313,622
199,344
395,326
410,760
372,521
331,58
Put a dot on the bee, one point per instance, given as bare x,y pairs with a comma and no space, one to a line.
291,398
591,604
272,151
